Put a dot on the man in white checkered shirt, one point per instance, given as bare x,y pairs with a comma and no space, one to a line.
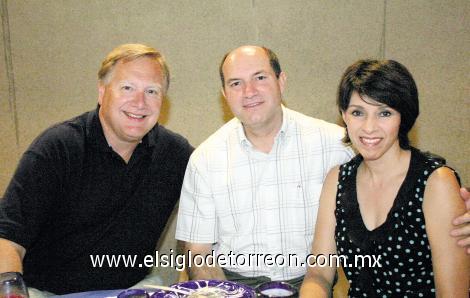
253,186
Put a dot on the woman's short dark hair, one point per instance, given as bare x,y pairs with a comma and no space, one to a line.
384,81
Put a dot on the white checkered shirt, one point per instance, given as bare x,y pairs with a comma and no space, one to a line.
248,202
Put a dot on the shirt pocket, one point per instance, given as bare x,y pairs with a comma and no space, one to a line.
306,217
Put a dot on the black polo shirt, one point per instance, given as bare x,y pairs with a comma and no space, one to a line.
72,196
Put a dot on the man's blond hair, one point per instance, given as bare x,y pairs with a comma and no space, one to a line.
129,52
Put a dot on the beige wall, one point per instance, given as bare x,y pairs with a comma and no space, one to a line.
8,143
56,48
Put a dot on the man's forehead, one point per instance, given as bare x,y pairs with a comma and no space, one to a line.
142,68
247,58
141,64
247,52
147,60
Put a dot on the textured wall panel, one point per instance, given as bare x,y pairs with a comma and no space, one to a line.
432,38
8,146
315,41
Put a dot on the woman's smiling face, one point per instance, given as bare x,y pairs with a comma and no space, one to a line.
372,126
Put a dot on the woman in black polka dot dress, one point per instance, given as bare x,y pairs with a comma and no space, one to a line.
392,205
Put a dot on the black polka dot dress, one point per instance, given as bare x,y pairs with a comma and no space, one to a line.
400,245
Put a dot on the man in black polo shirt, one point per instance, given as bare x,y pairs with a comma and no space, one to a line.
103,183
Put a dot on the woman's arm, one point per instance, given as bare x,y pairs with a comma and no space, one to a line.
319,280
441,205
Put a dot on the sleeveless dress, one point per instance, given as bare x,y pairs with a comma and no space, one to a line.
400,245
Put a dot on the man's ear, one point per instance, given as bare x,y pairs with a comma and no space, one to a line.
282,81
101,91
223,92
